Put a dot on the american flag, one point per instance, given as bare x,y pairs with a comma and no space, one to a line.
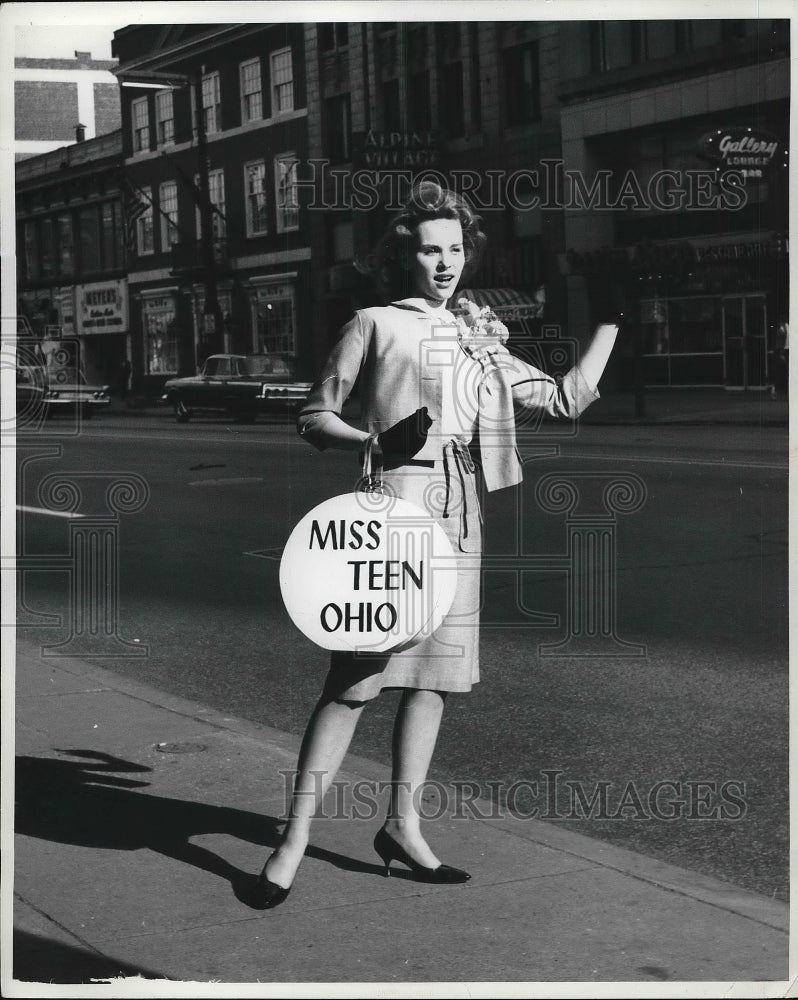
135,204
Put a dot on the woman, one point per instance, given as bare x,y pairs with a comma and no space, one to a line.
421,407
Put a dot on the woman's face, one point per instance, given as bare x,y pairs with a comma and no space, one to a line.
439,258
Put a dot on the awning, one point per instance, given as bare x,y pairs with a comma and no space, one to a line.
508,303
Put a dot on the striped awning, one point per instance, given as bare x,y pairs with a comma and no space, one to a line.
508,303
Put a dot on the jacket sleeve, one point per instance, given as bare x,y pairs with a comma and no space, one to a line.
534,389
331,390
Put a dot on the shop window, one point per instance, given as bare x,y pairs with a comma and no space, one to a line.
661,38
251,91
612,44
141,124
418,101
340,241
522,84
275,319
282,76
160,335
285,179
256,201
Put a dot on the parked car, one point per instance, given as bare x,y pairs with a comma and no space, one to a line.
242,385
52,391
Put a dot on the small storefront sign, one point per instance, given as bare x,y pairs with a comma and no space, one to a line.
747,150
101,307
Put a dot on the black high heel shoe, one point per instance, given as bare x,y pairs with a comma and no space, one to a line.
268,893
389,851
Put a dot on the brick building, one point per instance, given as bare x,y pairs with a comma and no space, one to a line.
53,96
71,276
252,254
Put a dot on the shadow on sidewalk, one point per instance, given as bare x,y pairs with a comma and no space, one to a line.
83,802
38,960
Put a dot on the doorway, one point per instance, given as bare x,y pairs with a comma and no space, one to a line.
745,356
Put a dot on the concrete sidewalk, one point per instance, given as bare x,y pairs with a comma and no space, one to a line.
143,820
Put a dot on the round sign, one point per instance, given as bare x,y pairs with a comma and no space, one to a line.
367,572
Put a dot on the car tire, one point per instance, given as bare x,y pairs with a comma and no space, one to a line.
182,412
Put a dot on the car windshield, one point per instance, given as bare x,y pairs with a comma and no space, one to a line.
269,364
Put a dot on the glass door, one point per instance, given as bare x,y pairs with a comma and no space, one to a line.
745,341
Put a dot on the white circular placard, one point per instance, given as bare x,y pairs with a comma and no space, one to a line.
367,572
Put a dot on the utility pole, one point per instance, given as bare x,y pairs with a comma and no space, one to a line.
211,331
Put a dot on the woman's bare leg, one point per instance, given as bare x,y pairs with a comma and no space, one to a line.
415,733
324,747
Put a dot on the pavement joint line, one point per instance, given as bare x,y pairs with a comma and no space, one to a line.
84,943
712,463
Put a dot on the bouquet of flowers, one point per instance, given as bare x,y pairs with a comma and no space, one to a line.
478,327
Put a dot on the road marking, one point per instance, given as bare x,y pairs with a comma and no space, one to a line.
46,510
719,463
227,481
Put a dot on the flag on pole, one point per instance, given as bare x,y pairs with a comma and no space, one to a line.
135,204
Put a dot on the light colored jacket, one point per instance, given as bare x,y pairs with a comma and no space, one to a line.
400,362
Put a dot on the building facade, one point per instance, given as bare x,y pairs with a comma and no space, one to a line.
71,271
675,177
219,256
52,97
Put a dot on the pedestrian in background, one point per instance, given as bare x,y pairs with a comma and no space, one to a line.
419,423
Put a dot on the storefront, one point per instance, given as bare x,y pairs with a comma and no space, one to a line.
102,324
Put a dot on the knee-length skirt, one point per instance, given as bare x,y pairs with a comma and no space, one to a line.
447,660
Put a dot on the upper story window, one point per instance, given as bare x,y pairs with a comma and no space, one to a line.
141,124
285,179
211,102
256,201
333,35
216,192
164,117
522,83
144,230
167,195
282,75
338,128
251,91
452,99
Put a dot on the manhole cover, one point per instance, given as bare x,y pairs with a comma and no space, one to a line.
180,747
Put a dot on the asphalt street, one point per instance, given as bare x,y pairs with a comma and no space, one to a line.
672,742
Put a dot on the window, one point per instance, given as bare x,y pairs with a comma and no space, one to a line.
251,92
89,235
165,117
661,38
612,44
141,124
255,187
452,102
333,36
211,103
418,101
167,195
216,192
112,234
391,107
282,82
66,249
275,318
31,250
522,84
338,129
144,234
160,334
285,177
